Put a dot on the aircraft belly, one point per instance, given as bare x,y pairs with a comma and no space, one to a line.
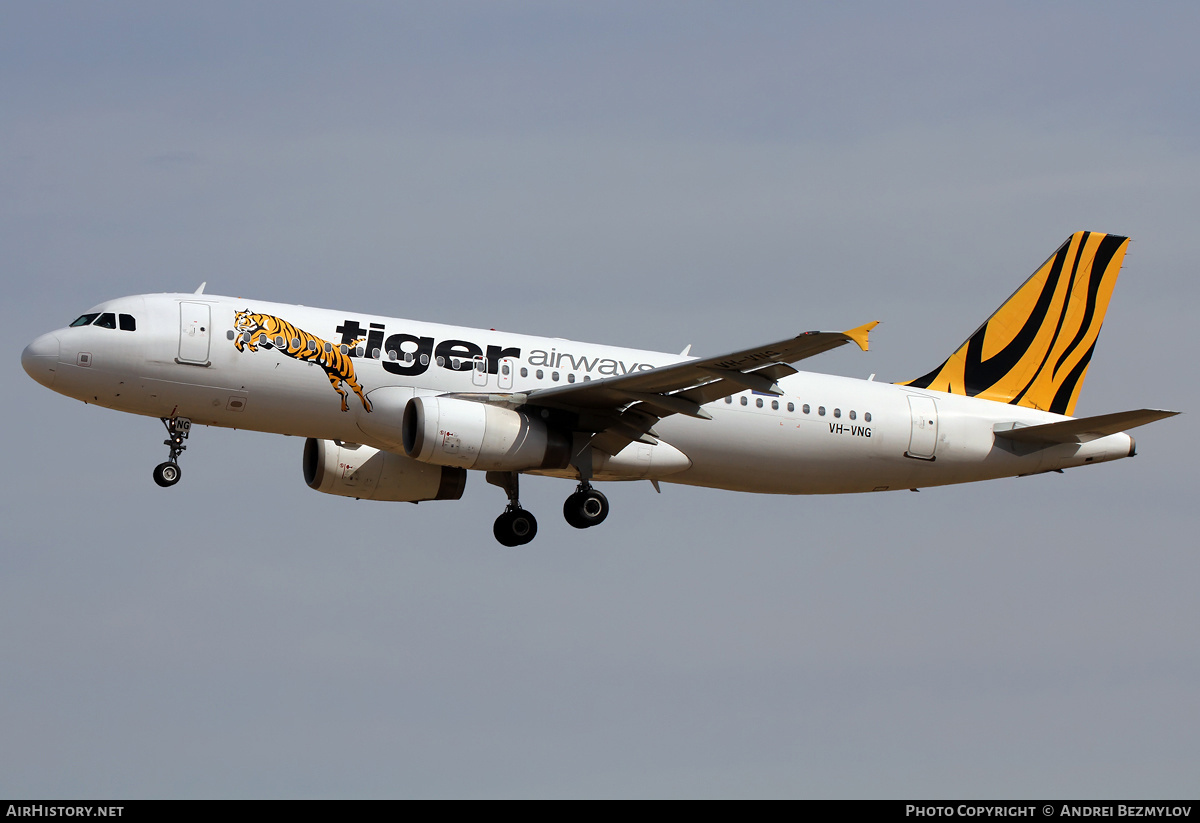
759,451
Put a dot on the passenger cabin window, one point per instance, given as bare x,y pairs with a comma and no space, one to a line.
85,319
108,320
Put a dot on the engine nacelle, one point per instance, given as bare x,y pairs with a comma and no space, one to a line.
352,470
451,432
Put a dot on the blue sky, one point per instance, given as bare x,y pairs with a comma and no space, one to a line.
654,176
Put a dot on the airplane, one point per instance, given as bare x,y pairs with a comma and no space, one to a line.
401,410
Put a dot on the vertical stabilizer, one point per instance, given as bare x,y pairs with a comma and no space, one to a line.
1034,350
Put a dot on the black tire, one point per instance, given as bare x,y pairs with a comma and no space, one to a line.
586,509
503,531
571,511
167,474
515,528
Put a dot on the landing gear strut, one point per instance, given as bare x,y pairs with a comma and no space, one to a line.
586,507
178,428
515,527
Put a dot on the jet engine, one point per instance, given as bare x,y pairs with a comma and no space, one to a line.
451,432
353,470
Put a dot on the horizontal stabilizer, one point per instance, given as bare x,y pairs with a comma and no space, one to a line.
1083,429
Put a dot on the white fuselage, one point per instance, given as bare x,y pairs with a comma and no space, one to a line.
826,434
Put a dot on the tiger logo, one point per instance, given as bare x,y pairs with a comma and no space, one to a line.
273,332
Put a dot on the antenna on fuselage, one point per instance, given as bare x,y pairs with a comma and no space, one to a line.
201,289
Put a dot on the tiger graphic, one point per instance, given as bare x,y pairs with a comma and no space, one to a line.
254,329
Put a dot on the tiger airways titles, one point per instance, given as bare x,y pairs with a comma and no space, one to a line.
417,353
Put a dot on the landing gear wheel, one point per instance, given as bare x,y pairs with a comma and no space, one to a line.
515,527
586,508
167,474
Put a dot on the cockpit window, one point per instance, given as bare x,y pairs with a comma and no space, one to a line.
85,319
128,323
108,320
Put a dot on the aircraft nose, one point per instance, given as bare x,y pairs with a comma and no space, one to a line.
40,359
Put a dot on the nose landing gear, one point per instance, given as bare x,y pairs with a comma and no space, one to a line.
178,428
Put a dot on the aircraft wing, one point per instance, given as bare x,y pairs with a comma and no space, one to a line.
619,410
756,368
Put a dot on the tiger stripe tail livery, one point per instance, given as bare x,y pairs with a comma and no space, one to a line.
1034,351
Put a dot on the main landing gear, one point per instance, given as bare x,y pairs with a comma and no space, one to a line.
516,527
178,428
586,507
